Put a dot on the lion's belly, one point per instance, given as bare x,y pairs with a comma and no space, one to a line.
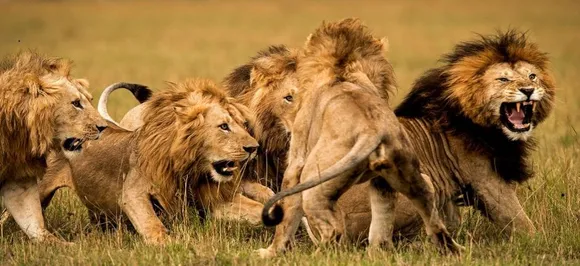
99,192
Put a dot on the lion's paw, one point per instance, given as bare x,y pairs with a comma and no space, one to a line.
266,253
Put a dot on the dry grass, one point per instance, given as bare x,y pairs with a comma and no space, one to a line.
153,42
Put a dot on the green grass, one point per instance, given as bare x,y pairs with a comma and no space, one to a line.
154,42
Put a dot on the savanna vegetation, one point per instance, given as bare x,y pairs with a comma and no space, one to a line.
153,42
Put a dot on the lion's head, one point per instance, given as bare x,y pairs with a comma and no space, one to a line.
194,129
345,51
490,92
500,81
267,85
45,107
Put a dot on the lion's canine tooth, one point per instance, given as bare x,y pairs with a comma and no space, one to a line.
518,106
534,106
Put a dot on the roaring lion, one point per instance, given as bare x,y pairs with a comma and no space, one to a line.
190,150
471,122
44,110
343,132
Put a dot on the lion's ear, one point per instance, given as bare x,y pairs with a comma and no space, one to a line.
82,86
384,42
58,66
33,84
308,39
189,114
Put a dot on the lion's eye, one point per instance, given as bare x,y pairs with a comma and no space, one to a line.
77,104
532,77
224,126
289,98
503,79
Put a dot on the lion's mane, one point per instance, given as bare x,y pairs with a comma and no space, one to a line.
458,81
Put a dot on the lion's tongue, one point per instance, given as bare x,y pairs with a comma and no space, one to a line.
516,118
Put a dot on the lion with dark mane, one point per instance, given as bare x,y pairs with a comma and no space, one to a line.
471,122
44,110
191,149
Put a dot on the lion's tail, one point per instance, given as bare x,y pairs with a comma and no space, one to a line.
142,93
360,151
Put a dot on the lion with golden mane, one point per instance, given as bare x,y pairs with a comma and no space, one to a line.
44,110
191,149
342,133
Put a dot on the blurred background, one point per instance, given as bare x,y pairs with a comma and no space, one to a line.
150,42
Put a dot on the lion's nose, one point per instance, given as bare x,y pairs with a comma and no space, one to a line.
101,128
527,91
250,149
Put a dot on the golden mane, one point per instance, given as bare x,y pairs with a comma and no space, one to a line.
170,142
28,104
337,50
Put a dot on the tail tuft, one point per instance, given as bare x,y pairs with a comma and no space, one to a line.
274,217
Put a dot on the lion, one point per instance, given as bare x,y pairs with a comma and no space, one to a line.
249,188
471,122
190,150
44,110
267,85
343,132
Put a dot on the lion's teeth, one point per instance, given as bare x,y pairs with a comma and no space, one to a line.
533,106
518,105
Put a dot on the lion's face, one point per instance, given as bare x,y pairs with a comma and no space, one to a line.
273,105
228,146
76,119
511,97
226,143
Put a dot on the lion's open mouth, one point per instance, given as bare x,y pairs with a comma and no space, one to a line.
73,144
517,116
225,168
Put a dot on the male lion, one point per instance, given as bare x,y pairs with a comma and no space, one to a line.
267,85
189,150
43,110
343,133
242,207
470,123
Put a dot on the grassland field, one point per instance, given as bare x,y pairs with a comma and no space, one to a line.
153,42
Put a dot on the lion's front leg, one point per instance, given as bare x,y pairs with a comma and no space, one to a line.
136,204
21,200
256,191
240,208
499,202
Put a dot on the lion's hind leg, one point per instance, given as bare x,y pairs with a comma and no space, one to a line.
409,181
325,218
383,198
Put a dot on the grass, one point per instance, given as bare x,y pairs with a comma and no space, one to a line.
154,42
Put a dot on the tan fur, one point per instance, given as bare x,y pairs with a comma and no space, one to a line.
343,132
37,117
168,162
